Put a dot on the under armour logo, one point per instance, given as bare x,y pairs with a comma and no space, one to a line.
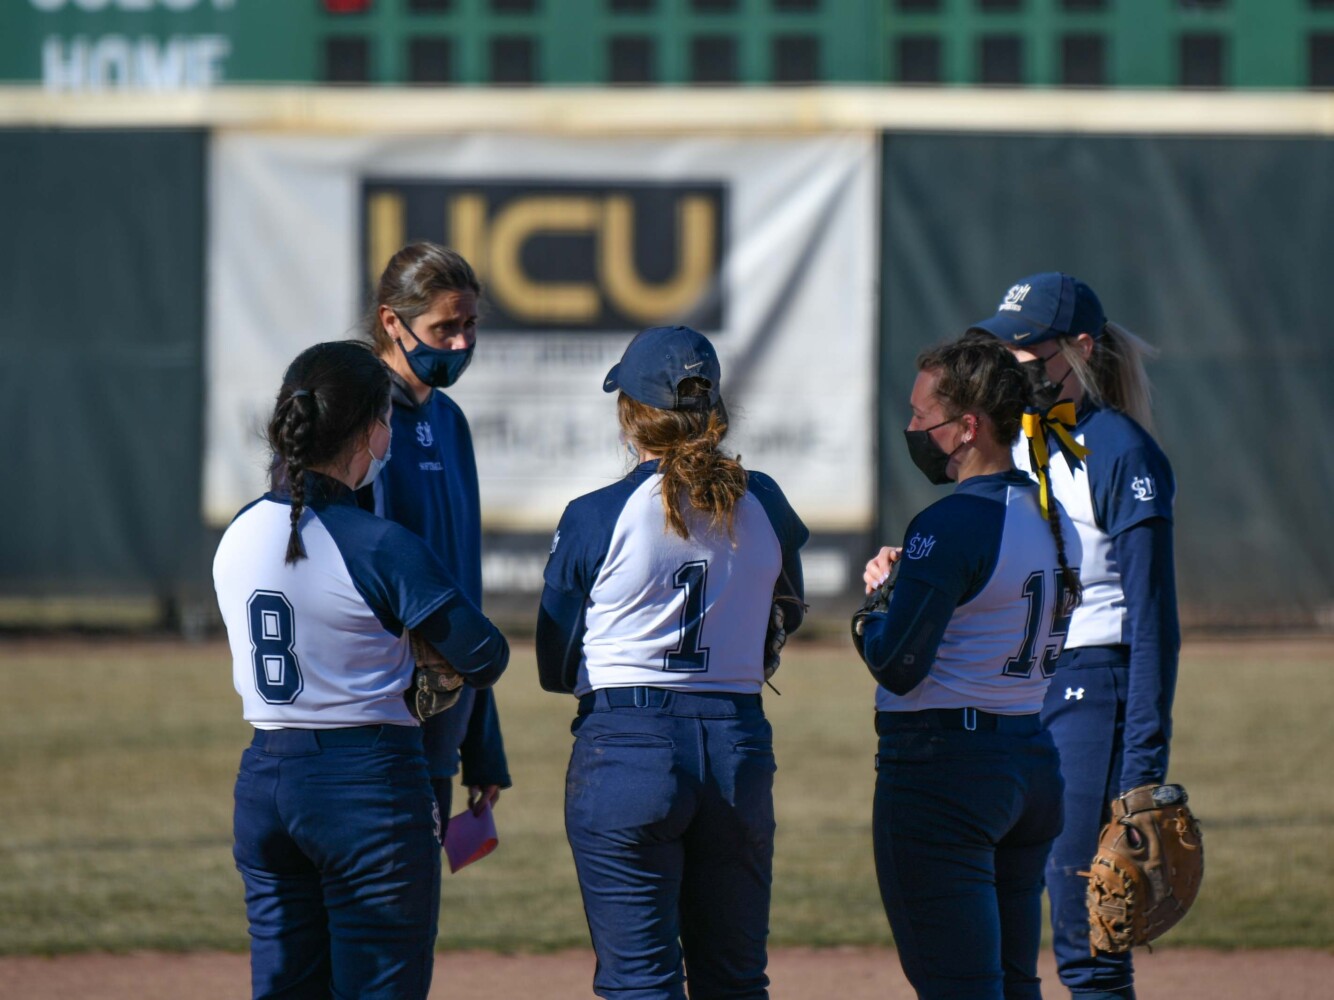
1143,487
1075,693
919,547
1014,298
424,436
555,541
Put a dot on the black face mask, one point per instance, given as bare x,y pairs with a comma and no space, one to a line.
1045,392
928,456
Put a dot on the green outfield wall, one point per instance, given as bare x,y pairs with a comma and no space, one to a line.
1216,251
1202,222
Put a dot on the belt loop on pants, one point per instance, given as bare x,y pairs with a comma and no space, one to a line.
971,720
694,704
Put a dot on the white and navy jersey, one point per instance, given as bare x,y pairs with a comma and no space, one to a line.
322,643
988,548
664,611
1124,481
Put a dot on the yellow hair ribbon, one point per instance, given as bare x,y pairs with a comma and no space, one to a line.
1060,420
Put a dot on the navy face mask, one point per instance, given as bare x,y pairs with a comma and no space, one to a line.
928,456
436,368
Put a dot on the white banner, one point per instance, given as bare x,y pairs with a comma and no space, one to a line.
768,245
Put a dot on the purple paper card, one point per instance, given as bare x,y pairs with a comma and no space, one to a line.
470,838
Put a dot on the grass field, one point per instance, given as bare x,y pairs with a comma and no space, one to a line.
115,802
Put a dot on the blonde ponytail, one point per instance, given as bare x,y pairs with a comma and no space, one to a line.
1114,374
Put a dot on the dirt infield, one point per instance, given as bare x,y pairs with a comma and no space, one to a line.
798,974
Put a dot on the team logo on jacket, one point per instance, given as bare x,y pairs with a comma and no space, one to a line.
920,547
424,436
1143,487
1014,298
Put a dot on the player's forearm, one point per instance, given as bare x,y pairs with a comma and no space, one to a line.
900,643
1148,578
467,639
559,639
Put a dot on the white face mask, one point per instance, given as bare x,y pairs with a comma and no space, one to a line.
377,463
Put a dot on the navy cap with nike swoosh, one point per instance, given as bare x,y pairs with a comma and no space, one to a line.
1043,307
658,360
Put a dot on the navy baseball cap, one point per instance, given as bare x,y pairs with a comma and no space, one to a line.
658,360
1043,307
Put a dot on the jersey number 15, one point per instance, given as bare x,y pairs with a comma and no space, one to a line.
1035,592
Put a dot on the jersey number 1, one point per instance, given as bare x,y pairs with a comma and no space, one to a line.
689,656
272,632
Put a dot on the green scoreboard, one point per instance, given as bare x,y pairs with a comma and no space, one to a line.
173,44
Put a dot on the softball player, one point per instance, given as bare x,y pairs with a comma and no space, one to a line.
659,593
424,328
1110,704
968,791
335,824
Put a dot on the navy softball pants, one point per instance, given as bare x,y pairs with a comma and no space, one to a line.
335,840
962,823
669,813
1085,710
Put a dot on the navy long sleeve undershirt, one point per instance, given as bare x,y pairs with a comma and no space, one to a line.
1148,579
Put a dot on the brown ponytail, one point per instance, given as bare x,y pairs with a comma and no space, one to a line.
691,464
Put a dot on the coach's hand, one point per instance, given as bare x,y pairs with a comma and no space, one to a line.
482,795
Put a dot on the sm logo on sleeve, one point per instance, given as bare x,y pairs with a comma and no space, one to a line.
589,256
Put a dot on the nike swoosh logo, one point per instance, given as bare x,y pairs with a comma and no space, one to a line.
695,365
1023,336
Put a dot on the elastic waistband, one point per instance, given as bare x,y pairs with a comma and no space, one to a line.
300,741
964,719
700,704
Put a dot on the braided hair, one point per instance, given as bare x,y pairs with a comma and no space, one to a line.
330,394
692,464
979,374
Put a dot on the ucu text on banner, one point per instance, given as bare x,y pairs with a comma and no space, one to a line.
593,256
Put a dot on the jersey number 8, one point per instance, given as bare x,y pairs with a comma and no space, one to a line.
272,632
